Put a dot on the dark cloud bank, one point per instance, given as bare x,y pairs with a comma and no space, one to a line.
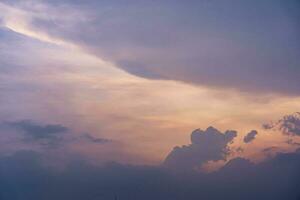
26,175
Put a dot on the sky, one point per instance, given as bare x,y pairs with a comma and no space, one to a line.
149,99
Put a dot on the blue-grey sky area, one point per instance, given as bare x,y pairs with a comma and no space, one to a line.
138,99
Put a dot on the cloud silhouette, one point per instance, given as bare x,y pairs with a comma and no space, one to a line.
93,139
38,131
250,136
288,125
24,175
208,145
292,142
50,135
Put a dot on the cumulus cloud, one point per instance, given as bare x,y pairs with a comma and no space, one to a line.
208,145
250,136
207,44
288,125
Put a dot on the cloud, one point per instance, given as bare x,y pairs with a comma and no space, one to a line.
93,139
38,131
23,176
292,142
250,136
211,43
288,125
208,145
49,135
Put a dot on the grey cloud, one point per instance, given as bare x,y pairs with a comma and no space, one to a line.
292,142
270,149
241,45
93,139
50,135
25,176
36,131
250,136
269,152
208,145
267,126
288,125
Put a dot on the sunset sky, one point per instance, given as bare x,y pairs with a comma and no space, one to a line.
127,81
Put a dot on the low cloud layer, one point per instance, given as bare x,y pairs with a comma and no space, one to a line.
36,131
31,175
49,135
238,179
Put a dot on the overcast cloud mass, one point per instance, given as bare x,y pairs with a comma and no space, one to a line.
246,45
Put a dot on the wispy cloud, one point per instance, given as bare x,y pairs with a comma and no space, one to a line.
288,125
50,135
